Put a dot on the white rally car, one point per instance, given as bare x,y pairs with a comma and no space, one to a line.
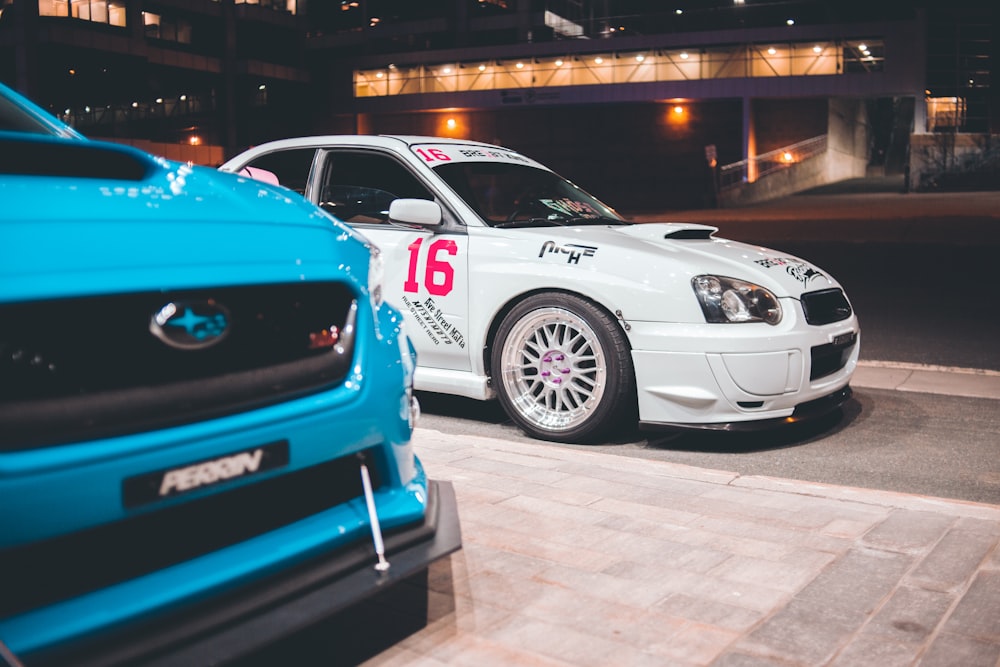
520,286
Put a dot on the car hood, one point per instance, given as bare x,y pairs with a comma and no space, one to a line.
135,219
659,249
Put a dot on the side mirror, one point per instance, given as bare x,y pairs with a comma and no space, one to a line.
421,212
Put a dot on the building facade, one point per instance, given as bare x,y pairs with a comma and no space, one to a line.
648,103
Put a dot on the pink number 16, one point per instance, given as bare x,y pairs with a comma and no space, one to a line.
439,275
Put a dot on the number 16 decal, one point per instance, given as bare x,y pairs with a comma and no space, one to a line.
439,275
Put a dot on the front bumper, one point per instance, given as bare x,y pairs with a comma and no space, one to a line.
704,377
803,412
238,624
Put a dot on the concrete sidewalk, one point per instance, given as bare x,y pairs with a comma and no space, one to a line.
900,376
580,559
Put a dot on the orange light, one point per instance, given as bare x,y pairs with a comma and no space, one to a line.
452,123
787,157
677,113
194,140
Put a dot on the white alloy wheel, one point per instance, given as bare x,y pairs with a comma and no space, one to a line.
562,367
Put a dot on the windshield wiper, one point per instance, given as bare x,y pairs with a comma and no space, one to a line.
563,221
529,222
592,220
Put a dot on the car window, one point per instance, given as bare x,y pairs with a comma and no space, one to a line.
357,187
290,167
502,193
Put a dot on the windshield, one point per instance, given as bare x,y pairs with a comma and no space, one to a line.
507,194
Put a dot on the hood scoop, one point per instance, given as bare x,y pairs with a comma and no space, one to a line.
36,156
689,234
670,231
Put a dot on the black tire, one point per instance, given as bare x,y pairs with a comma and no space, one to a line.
562,369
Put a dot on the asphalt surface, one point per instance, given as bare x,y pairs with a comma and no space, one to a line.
865,211
585,558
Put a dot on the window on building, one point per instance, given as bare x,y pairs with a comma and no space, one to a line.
290,6
151,22
171,29
812,58
110,12
945,114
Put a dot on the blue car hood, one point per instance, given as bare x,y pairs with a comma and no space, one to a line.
72,205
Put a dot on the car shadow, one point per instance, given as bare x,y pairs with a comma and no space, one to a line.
459,407
361,632
780,437
489,413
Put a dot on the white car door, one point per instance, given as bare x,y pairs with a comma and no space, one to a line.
426,269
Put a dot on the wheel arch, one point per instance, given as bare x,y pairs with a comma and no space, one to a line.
514,301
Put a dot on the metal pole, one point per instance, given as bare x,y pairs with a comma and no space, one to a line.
366,482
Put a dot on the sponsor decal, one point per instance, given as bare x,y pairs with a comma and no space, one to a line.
434,323
798,270
572,251
492,154
845,340
435,154
161,484
571,207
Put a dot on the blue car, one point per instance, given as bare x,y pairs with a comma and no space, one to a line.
206,410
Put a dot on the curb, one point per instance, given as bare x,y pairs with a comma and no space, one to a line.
952,381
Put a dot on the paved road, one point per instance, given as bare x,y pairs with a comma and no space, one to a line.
845,213
886,439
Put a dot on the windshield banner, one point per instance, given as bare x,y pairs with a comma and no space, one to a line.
436,154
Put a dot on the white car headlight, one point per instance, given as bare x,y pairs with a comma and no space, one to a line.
728,300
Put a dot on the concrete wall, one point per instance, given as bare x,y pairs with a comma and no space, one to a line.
782,122
848,139
846,157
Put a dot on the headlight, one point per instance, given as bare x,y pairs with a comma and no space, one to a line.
729,300
376,274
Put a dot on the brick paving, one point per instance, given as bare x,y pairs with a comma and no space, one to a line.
588,559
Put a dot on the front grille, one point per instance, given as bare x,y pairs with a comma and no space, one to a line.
825,306
831,357
64,567
77,369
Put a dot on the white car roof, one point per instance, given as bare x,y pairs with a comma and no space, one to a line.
395,142
383,140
